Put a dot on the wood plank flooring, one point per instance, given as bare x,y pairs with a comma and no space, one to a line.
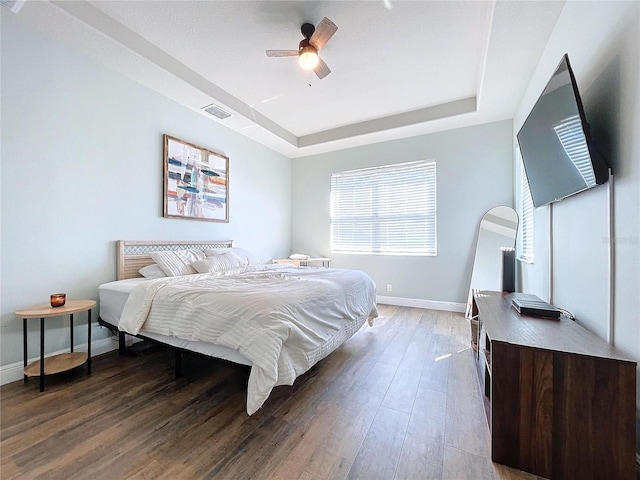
400,400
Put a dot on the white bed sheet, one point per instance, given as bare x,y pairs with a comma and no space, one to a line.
284,319
113,297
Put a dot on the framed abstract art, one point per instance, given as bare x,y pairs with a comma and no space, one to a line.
195,182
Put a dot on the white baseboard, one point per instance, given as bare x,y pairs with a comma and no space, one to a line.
13,371
419,303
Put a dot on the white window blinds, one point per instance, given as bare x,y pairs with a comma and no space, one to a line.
526,214
385,210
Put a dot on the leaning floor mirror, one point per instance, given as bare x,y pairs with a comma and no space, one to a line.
497,230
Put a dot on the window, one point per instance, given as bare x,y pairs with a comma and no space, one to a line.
525,240
385,210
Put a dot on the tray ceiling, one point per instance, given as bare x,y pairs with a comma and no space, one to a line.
399,68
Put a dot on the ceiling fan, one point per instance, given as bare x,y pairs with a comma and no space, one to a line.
314,39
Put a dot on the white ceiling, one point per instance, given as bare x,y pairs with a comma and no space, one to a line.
399,68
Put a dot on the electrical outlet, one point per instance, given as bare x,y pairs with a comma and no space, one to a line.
389,287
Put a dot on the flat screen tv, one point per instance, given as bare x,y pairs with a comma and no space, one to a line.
557,150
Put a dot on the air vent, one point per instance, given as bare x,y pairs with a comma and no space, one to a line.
216,111
13,5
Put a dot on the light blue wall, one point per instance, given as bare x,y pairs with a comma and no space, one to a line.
473,174
82,168
603,43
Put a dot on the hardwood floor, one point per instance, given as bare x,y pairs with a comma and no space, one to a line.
400,400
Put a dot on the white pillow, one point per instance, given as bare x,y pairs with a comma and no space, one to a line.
152,271
223,263
247,257
177,262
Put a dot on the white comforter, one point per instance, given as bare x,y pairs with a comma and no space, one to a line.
283,319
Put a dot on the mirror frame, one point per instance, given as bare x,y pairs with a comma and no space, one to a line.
513,215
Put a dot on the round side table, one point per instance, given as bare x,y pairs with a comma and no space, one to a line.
64,361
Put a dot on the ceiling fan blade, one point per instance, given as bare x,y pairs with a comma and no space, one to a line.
282,53
324,31
321,70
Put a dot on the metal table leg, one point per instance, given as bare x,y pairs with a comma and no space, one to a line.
89,342
71,330
24,346
42,354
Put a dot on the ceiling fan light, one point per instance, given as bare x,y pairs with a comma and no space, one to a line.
308,57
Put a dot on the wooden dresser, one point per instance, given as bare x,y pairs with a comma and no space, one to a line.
560,400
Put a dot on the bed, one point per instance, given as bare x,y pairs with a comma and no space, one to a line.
279,320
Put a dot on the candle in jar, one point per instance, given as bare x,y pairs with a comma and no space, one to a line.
58,299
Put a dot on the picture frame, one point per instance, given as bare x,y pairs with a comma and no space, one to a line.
195,181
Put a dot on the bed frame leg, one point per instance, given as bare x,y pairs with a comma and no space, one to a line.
122,347
179,358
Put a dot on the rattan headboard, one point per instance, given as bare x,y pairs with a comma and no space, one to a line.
135,254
